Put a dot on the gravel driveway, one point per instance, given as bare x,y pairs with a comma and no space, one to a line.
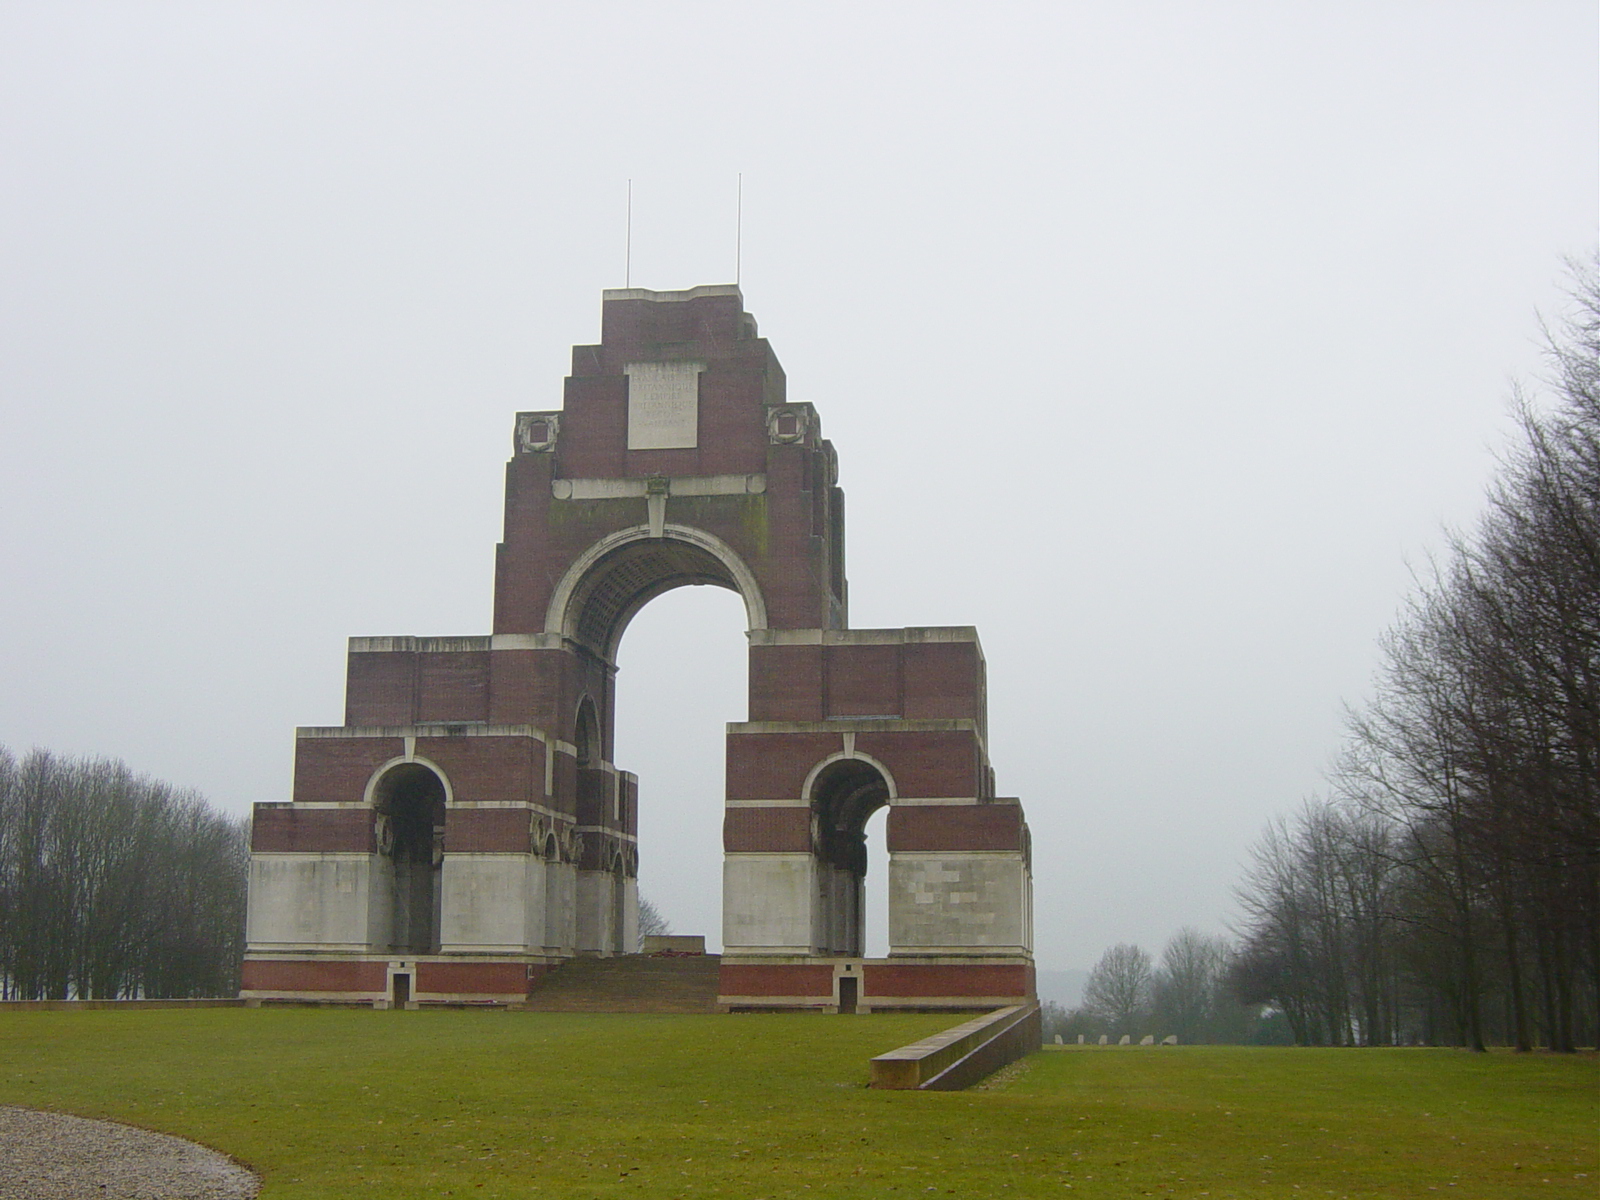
49,1156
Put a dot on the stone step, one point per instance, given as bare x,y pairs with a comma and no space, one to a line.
632,983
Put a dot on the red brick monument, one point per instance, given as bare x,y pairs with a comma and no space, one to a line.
466,830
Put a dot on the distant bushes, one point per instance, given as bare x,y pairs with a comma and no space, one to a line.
115,885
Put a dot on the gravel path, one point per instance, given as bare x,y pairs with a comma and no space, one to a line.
49,1156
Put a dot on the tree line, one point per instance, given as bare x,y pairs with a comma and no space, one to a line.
1187,994
114,885
1447,890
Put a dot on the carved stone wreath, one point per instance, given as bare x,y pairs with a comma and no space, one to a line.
383,833
788,424
571,845
537,432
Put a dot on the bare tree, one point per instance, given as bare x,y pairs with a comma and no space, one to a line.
1320,938
1118,991
1187,989
651,922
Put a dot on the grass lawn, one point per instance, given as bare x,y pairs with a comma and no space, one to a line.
332,1103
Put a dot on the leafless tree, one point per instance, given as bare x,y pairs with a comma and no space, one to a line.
1118,992
651,922
1187,989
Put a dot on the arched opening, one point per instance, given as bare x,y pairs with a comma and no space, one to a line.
559,928
843,796
410,805
592,606
586,734
682,674
597,790
877,922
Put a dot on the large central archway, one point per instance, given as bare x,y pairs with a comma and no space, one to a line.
591,608
681,676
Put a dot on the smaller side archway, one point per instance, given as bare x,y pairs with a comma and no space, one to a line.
843,794
586,735
409,801
597,801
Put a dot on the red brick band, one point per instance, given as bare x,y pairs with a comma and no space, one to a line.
473,979
312,830
767,830
776,979
774,766
488,831
338,769
292,976
947,979
933,827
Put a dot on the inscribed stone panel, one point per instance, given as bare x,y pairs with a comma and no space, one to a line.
663,405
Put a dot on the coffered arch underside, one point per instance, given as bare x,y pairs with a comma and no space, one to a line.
617,576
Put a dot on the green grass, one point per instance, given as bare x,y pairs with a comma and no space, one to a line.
467,1104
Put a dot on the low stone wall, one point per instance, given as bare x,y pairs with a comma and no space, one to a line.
74,1005
962,1056
674,943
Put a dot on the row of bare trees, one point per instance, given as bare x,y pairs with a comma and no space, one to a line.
1187,994
114,885
1448,890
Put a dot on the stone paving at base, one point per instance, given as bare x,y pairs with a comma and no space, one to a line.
51,1156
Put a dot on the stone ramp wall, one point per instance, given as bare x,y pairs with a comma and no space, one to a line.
962,1056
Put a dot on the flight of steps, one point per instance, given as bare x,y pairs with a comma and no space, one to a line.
631,983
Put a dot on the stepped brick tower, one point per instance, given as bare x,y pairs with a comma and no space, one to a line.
466,829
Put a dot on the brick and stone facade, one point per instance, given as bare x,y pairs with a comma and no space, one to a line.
467,828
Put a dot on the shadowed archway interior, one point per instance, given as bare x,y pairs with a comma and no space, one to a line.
410,802
844,795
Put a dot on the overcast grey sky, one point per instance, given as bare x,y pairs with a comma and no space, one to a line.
1158,340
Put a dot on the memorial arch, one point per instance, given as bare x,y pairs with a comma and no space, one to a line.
676,459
